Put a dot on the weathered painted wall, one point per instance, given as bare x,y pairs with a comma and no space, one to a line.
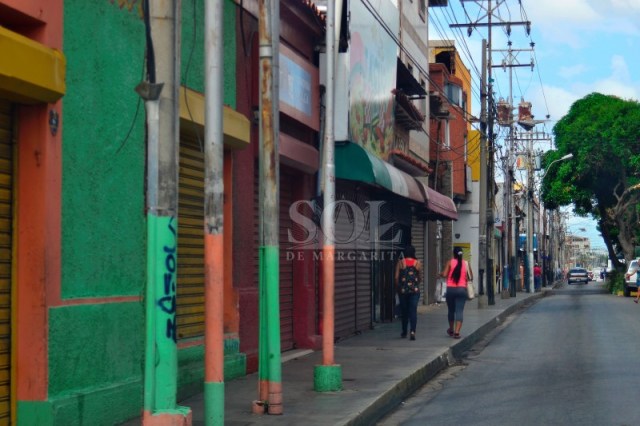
103,176
115,353
96,339
192,74
103,237
96,358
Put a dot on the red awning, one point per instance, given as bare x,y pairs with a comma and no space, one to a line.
439,206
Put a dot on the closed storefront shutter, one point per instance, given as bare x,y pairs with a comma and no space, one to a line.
287,180
385,264
353,263
345,278
417,241
190,299
363,271
396,212
6,250
363,290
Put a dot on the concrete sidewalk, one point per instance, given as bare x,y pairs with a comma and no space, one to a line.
379,369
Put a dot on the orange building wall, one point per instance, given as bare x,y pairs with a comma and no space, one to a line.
38,207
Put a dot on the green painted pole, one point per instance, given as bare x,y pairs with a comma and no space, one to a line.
270,386
161,103
271,257
151,93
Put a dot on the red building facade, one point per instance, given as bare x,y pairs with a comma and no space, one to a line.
301,32
448,130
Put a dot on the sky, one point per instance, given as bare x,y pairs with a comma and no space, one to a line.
581,46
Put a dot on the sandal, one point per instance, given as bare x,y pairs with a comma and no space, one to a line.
635,300
456,335
450,332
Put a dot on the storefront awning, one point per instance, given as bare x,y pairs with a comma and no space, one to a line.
439,206
355,163
30,72
235,126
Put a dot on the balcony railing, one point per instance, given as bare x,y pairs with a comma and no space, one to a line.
407,115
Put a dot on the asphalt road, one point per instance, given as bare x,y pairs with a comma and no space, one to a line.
572,358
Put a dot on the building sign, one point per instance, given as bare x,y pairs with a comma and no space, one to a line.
299,88
523,242
372,76
521,162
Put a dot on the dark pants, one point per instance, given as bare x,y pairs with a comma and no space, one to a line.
456,298
409,311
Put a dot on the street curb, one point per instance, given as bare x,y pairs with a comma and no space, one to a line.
410,384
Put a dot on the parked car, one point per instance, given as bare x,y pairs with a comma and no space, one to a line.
630,283
577,275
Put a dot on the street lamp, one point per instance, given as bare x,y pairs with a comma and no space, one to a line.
565,157
530,221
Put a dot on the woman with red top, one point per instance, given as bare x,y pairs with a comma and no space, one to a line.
457,271
408,277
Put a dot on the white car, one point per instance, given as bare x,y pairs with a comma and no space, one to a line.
630,283
577,275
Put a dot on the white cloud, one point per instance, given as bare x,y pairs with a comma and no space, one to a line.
619,83
626,6
572,71
576,22
614,87
558,100
555,13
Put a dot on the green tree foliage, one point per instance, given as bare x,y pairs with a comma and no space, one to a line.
601,180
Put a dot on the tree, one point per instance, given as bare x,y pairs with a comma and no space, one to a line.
601,180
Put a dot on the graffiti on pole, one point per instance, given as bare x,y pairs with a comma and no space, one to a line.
167,303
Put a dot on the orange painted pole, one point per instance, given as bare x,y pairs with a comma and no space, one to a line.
328,307
214,216
328,376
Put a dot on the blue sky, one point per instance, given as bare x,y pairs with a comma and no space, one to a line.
581,46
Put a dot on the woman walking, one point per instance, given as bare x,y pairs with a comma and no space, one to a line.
407,277
457,272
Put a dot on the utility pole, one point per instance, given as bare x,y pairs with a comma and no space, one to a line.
508,282
161,103
486,227
490,174
214,215
327,377
269,357
484,169
530,198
